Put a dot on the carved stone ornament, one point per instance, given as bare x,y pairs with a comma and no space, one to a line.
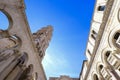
119,15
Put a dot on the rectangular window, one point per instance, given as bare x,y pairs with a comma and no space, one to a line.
101,8
89,51
93,34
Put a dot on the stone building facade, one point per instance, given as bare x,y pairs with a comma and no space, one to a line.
21,52
63,78
103,47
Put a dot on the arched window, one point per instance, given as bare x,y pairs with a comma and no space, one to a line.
4,22
107,54
116,35
116,39
23,59
95,77
101,67
108,58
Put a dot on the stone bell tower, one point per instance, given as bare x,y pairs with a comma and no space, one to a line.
19,57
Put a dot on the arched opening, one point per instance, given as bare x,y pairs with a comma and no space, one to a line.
4,22
107,54
95,77
16,40
110,64
107,57
119,15
101,67
23,59
116,39
10,42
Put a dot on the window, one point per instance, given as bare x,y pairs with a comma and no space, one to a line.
107,54
95,77
89,51
23,59
93,34
116,35
101,8
101,66
116,39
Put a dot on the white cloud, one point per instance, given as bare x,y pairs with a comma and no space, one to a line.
55,64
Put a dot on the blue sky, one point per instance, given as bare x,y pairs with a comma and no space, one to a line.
71,22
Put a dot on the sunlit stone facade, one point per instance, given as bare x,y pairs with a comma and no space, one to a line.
21,52
103,47
63,78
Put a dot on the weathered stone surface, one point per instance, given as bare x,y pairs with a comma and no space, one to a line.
103,50
20,53
42,38
63,78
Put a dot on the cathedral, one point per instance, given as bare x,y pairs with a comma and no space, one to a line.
103,46
21,52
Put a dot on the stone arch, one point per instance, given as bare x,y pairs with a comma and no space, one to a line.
10,21
105,57
10,42
23,59
110,69
111,37
94,76
98,67
103,53
118,15
16,40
